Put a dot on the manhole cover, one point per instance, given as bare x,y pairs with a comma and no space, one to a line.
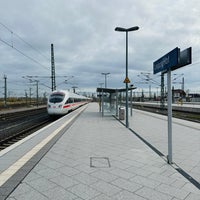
99,162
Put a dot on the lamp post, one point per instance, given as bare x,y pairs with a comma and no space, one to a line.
131,99
105,74
100,97
120,29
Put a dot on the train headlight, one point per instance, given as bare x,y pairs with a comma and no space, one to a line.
49,106
60,106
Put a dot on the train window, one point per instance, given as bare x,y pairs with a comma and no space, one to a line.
70,100
76,100
56,98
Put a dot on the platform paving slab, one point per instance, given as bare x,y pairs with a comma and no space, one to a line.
134,171
185,138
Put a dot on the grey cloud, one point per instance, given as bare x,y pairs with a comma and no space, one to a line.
85,42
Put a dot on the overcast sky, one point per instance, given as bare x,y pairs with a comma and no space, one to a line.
85,43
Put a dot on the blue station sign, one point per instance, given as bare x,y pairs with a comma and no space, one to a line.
167,61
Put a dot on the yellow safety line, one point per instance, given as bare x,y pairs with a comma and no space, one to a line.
8,173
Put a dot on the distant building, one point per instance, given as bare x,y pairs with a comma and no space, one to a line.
178,93
194,97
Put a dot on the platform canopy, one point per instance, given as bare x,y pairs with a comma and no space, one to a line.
111,90
110,99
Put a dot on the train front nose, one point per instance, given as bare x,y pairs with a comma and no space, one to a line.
54,109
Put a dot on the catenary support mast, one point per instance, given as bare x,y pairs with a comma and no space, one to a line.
53,76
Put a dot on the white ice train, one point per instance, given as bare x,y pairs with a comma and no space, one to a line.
61,102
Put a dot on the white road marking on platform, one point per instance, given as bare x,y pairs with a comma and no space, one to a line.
8,173
4,151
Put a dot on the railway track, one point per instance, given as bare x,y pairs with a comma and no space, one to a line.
181,114
6,118
16,126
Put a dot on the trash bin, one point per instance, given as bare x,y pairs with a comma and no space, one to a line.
121,113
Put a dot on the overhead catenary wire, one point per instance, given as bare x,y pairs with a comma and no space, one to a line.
25,42
28,44
23,53
11,39
18,50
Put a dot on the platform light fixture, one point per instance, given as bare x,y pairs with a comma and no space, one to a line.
126,30
105,74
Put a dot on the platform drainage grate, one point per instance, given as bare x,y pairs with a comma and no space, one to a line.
99,162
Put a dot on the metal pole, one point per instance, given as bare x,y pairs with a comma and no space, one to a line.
105,74
162,100
30,94
120,29
169,99
117,107
53,76
182,86
37,95
100,98
102,103
5,91
127,125
26,95
131,102
150,92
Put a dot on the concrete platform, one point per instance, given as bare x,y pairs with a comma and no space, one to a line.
95,158
185,139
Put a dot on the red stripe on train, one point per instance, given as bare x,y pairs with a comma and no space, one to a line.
66,106
69,105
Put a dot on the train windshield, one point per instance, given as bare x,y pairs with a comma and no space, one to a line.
56,97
